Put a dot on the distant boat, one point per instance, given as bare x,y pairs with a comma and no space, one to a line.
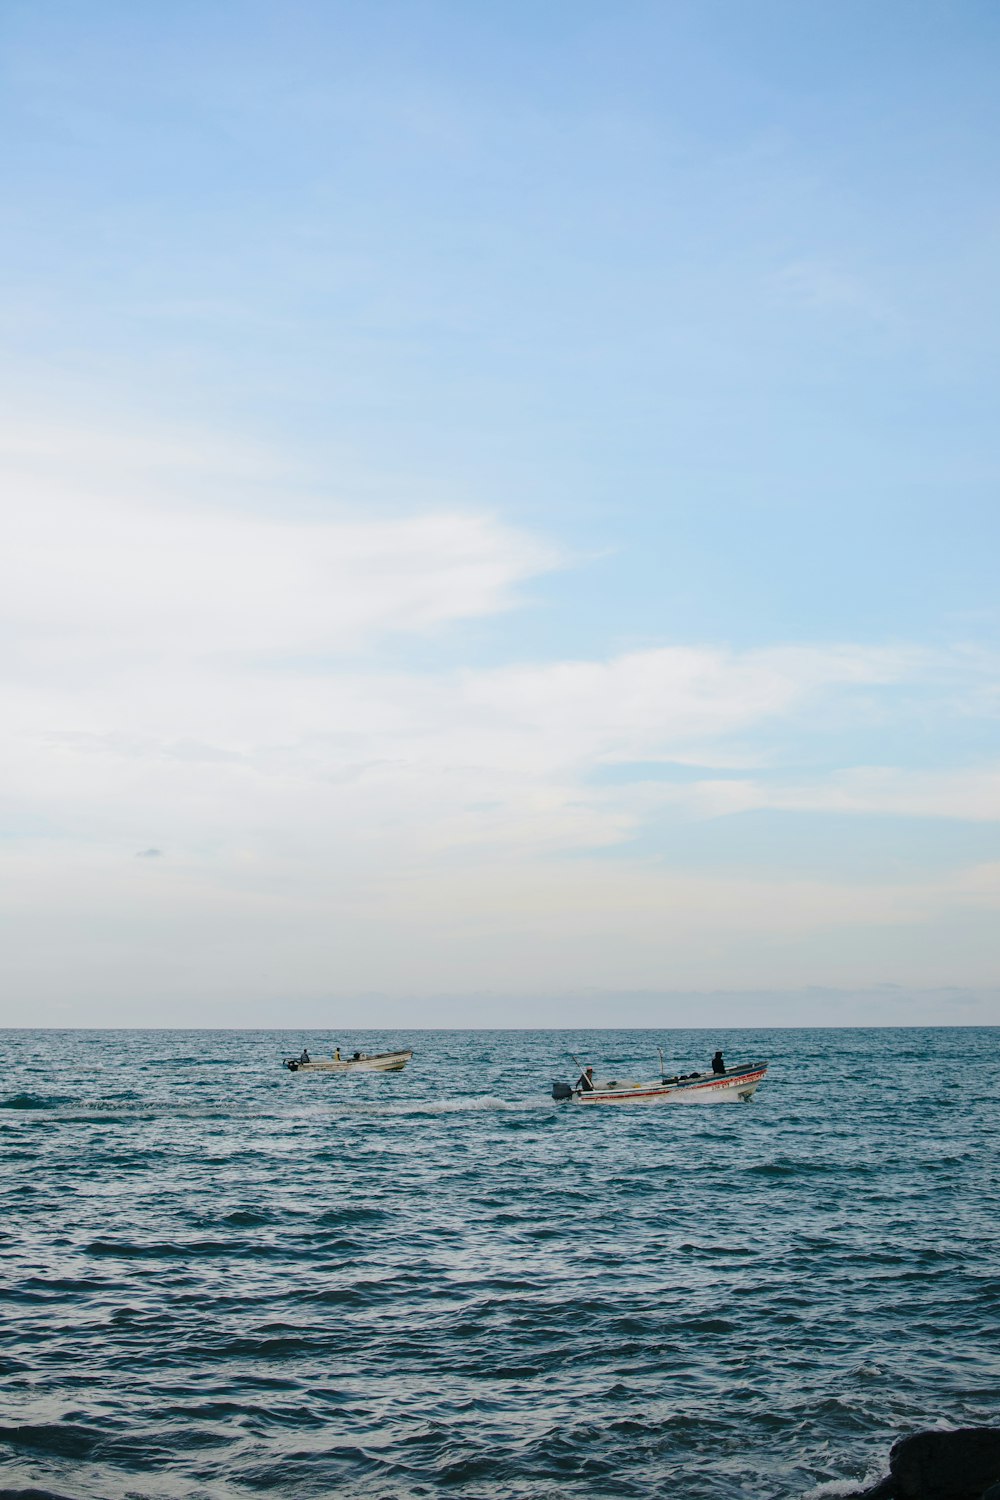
359,1062
733,1084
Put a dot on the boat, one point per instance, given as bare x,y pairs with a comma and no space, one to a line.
736,1085
359,1062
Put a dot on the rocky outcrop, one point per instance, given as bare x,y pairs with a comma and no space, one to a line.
959,1465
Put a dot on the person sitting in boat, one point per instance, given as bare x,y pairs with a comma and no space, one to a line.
718,1066
586,1082
357,1057
304,1055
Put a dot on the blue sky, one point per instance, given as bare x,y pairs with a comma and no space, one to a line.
503,499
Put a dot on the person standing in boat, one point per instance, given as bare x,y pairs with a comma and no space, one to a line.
718,1066
336,1054
304,1055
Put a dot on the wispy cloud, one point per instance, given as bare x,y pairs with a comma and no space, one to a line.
826,286
971,794
102,582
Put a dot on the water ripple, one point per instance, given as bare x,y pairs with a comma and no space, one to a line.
223,1280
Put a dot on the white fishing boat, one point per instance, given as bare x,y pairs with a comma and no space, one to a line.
735,1085
358,1062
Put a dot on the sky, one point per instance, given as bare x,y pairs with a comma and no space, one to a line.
499,513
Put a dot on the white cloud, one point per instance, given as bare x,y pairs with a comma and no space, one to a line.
182,679
102,582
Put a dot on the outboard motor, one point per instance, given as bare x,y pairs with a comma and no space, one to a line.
561,1090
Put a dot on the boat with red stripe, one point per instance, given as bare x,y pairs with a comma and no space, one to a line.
720,1085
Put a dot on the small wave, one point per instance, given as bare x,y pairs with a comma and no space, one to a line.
353,1213
111,1106
31,1101
784,1166
252,1218
62,1438
464,1104
690,1248
167,1249
708,1325
31,1495
832,1489
247,1346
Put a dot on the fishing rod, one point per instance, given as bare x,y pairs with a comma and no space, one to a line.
583,1071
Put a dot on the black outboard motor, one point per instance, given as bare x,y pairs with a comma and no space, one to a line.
561,1090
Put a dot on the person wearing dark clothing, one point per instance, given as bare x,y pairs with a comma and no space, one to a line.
304,1056
586,1083
718,1066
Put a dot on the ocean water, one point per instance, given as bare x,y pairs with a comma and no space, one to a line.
220,1279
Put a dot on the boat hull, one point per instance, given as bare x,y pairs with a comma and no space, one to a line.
735,1086
379,1062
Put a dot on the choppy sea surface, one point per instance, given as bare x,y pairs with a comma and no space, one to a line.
221,1279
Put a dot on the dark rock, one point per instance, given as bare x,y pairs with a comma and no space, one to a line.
957,1465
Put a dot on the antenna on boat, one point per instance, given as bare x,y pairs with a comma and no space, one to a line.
663,1071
